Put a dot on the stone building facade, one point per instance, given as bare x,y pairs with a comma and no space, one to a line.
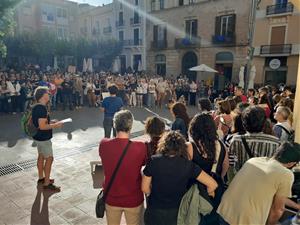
183,34
277,42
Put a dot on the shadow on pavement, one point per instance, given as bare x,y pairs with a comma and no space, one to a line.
97,174
40,216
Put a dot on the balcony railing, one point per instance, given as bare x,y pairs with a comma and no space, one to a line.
135,21
129,43
160,44
275,49
187,42
223,39
280,8
120,23
107,30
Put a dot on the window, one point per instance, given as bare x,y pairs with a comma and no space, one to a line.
98,27
136,2
61,13
225,25
180,2
160,64
136,36
153,5
121,21
137,62
121,5
161,4
61,32
281,2
121,36
135,17
191,2
191,28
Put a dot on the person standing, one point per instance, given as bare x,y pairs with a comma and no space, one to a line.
193,93
125,195
41,120
110,106
255,205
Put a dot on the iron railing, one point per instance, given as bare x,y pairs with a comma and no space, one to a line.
275,49
280,8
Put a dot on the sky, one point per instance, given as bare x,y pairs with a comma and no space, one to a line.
93,2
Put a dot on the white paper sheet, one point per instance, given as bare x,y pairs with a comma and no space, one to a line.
68,120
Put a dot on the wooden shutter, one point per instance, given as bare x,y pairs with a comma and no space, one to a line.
187,28
232,22
218,25
165,35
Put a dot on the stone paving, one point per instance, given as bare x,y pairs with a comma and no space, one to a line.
23,202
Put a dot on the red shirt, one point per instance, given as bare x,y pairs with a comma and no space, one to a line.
126,188
244,98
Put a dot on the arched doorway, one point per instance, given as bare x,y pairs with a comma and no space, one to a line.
224,62
189,60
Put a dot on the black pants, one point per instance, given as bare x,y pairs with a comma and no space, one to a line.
160,216
68,100
192,98
15,103
4,105
108,125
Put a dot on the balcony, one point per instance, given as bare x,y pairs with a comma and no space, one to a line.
276,49
187,42
286,8
135,21
223,39
107,30
160,44
120,23
130,43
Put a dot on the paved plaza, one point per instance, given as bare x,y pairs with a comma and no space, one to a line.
75,146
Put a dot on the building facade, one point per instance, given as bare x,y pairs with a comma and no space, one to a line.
58,16
130,31
183,34
277,42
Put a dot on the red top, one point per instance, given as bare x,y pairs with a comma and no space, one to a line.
126,188
244,98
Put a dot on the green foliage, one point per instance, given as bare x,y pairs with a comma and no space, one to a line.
6,22
44,45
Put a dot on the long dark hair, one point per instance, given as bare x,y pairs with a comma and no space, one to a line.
179,110
203,132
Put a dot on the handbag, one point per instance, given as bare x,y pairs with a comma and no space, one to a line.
100,203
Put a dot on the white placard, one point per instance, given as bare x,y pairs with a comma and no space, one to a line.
105,94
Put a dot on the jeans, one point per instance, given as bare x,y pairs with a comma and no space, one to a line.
192,98
108,125
77,99
67,101
53,101
151,100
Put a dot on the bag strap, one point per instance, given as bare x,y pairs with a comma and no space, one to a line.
115,171
282,127
246,146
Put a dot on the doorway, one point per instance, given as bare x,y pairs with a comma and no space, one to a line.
189,60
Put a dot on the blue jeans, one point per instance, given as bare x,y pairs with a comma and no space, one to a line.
151,100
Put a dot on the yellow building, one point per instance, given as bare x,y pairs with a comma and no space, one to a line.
277,42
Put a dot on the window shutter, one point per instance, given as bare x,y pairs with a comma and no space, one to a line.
232,24
155,33
187,28
165,35
195,28
218,25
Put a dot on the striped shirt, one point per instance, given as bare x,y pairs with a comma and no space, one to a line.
260,144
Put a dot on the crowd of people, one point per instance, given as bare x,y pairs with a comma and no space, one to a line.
74,91
229,164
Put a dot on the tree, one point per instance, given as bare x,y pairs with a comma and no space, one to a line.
6,22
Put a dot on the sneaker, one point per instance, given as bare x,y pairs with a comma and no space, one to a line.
52,187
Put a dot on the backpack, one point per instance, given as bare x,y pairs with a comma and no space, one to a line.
291,134
27,124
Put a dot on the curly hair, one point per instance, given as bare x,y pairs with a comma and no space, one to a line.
173,144
203,132
154,126
179,110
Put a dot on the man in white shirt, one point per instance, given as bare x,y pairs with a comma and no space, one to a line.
14,89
